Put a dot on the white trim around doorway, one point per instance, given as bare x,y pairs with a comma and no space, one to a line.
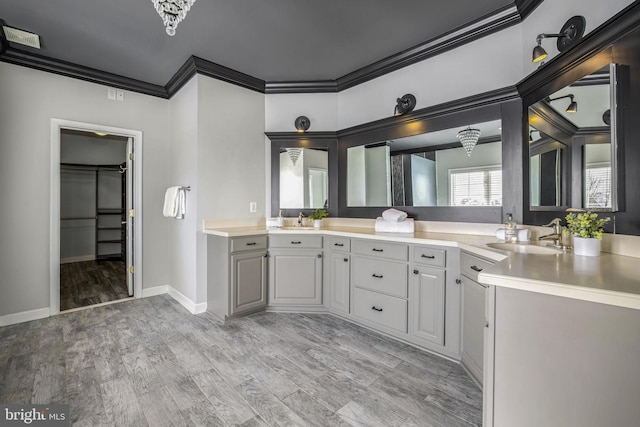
54,261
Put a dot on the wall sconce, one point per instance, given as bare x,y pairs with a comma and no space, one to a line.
570,33
302,124
469,138
573,105
404,105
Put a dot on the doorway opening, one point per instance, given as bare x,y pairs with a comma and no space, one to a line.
95,215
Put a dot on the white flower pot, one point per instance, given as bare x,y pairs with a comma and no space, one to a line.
586,247
317,223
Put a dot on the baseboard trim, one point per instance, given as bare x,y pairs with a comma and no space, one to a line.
82,258
24,316
186,301
156,290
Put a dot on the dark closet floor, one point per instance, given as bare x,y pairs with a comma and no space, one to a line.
90,282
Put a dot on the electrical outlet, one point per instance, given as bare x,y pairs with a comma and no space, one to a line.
111,93
253,207
120,95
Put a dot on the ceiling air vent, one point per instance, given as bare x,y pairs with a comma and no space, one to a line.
22,37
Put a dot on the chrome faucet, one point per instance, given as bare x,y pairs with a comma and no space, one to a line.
300,216
556,236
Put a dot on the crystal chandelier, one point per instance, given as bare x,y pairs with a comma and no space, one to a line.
294,154
172,12
468,138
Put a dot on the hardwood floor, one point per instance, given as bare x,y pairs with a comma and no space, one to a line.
150,362
87,283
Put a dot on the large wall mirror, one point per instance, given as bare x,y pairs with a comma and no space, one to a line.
303,172
429,169
582,109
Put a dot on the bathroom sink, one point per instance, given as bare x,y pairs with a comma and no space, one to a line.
526,248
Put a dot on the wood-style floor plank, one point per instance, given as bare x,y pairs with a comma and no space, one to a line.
150,362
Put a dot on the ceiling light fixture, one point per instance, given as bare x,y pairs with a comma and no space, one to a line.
302,124
573,105
404,105
570,33
469,138
172,12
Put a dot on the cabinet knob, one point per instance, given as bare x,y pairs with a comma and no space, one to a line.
476,268
377,250
428,256
346,260
338,244
486,325
296,242
416,272
458,281
251,243
319,255
376,308
377,276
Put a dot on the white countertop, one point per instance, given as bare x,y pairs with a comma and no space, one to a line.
608,279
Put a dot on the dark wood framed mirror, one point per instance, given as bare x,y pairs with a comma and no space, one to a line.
611,54
303,172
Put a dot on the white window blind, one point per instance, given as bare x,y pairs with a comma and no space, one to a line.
476,186
597,186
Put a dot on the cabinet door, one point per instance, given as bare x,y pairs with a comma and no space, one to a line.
427,300
295,278
339,281
248,281
473,322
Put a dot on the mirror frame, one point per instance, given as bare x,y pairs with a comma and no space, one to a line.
503,104
322,140
615,41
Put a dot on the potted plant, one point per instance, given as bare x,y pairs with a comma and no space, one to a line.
317,216
586,229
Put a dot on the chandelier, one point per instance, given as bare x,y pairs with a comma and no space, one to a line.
294,154
468,138
172,12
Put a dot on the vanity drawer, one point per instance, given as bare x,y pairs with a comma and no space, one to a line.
295,241
471,265
430,256
248,243
381,309
342,244
381,276
379,249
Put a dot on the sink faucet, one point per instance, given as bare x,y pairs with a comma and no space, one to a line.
300,216
556,236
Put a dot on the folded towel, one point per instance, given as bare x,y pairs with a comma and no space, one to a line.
384,226
394,215
522,234
175,204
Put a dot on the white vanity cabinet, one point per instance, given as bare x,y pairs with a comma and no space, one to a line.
295,271
236,275
474,316
379,284
428,295
337,265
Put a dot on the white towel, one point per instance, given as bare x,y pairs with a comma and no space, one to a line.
394,215
522,234
175,203
384,226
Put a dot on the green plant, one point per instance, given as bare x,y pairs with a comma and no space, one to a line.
319,214
586,225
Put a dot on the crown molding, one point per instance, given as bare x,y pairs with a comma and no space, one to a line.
220,72
525,7
322,86
68,69
494,97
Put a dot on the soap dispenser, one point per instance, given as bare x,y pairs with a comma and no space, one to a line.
280,219
510,230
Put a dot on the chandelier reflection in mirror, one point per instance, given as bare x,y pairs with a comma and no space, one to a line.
468,138
172,12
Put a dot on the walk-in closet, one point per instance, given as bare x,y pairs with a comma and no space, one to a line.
93,219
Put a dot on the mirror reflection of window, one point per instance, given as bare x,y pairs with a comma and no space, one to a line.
415,170
303,178
597,176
